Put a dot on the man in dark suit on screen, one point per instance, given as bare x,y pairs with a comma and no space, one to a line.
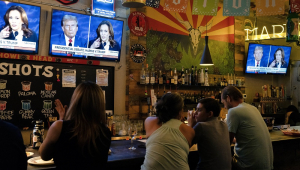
257,60
69,25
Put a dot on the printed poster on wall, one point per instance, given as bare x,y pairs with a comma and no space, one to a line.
269,7
236,7
68,77
103,8
102,77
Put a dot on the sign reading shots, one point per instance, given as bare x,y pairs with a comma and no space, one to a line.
138,23
138,53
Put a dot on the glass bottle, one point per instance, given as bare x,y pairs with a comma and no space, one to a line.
196,76
202,77
175,77
142,75
199,77
171,76
182,76
186,77
152,78
206,83
147,75
192,76
160,78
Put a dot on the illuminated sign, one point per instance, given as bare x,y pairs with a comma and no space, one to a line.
278,32
103,8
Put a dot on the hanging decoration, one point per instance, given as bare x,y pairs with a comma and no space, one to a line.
292,25
176,5
205,7
153,3
269,7
295,5
236,7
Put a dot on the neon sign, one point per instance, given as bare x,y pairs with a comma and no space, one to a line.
278,32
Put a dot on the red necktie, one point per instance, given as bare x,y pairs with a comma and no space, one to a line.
257,63
70,44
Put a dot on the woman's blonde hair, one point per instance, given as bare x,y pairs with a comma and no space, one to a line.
87,111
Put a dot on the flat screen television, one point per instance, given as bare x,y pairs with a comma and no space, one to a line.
77,35
19,27
267,59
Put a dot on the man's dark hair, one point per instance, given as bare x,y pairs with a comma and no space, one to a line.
233,92
211,104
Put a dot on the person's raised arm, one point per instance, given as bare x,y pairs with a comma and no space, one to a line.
47,147
4,33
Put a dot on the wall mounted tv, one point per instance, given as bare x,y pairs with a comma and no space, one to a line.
19,27
76,35
267,59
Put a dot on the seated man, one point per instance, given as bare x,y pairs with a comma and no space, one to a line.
211,136
12,149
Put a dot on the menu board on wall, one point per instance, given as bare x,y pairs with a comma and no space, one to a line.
28,89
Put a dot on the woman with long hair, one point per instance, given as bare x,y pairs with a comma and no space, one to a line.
17,26
105,38
80,140
169,139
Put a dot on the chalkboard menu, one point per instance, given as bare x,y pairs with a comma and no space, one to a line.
28,89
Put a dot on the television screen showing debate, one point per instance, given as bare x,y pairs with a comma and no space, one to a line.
83,36
267,59
19,27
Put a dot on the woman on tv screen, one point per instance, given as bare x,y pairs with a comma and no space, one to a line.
16,26
278,61
105,38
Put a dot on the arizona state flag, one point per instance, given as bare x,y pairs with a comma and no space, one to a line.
176,5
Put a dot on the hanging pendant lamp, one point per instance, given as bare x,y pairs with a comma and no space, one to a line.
206,57
134,3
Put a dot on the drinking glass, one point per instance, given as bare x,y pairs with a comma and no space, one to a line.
132,132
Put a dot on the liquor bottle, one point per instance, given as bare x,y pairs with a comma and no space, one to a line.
152,77
228,79
215,81
175,77
182,76
142,75
234,80
147,75
199,77
171,76
202,77
206,83
168,77
164,78
160,78
156,77
192,76
231,80
196,76
186,77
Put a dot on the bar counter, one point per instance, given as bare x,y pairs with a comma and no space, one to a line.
123,158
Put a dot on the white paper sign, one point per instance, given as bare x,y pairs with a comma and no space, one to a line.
102,77
68,77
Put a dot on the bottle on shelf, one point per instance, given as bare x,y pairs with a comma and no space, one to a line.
175,77
156,77
147,75
142,75
202,77
228,79
182,76
171,76
199,77
196,77
152,77
160,78
168,77
206,83
186,77
192,76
